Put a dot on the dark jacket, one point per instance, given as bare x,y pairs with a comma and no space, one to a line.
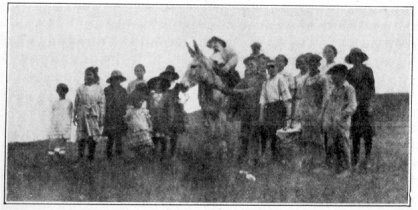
116,102
249,97
362,79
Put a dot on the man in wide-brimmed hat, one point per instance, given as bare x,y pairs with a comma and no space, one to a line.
116,101
225,61
246,96
361,78
176,96
160,115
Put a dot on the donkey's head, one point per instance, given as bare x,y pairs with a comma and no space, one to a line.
199,70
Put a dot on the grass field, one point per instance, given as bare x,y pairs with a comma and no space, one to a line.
196,176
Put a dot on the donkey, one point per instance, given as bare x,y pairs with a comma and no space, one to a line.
211,100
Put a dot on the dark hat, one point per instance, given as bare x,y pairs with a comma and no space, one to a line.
216,39
142,87
140,94
116,74
271,62
63,87
313,58
158,82
338,69
256,45
170,73
356,52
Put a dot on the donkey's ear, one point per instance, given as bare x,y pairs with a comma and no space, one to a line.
197,49
192,53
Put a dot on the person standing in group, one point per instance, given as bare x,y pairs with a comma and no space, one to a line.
313,95
176,99
275,107
138,119
361,78
225,60
160,112
299,81
282,61
248,92
258,56
116,102
329,53
61,116
139,73
89,112
336,119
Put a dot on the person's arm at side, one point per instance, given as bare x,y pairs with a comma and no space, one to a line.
352,103
286,97
262,103
76,107
102,107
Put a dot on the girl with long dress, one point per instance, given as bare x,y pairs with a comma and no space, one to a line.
89,112
138,119
314,92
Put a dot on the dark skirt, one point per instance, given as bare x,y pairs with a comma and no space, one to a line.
362,122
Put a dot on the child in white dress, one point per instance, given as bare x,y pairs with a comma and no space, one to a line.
60,130
138,118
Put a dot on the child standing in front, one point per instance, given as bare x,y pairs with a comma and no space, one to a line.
60,132
336,117
138,119
89,112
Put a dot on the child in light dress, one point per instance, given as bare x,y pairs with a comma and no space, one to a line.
138,119
60,131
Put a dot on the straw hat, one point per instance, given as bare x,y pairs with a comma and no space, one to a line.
158,83
356,52
116,74
170,73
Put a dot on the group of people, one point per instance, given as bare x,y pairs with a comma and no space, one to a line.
329,104
147,113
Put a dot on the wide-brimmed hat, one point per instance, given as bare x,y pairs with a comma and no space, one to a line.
338,69
216,39
158,82
170,73
116,74
356,52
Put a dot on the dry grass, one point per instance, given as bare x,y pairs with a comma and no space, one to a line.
197,176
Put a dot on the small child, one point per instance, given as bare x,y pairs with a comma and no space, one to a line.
60,132
336,117
138,119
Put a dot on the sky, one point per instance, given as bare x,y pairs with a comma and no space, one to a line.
50,44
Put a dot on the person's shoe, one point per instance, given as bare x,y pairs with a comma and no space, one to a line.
51,153
344,174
